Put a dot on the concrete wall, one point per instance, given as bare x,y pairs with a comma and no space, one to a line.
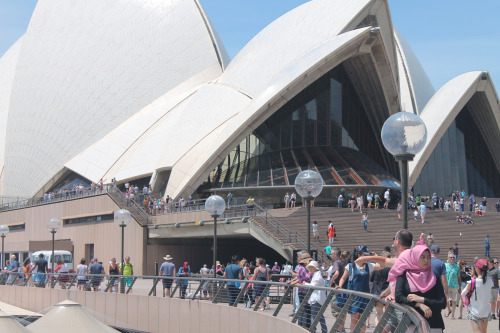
105,235
152,314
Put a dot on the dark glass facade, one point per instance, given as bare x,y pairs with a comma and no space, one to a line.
460,161
324,127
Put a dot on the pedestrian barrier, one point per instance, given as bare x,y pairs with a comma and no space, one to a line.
308,306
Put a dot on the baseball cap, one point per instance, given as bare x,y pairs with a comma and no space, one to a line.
363,249
435,248
482,263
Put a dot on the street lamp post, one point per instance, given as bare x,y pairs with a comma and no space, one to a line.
308,185
215,206
53,225
122,218
404,135
4,231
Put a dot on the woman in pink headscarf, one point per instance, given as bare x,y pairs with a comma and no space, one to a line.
417,286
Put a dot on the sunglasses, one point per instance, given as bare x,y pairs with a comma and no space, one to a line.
496,263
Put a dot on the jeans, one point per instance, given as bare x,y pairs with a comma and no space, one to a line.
232,293
487,251
183,290
305,315
314,311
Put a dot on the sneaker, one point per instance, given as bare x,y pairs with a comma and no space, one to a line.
493,316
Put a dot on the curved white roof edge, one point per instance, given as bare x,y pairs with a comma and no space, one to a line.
188,173
288,38
444,107
8,64
83,70
96,161
415,86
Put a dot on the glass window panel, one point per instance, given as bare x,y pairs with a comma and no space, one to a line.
279,177
292,174
252,179
297,127
346,177
327,176
265,178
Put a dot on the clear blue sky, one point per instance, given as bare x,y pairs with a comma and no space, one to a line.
450,37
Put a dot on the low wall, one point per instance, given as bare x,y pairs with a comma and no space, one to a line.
151,314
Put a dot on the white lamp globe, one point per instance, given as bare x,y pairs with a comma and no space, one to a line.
123,217
308,184
54,224
215,205
404,133
4,230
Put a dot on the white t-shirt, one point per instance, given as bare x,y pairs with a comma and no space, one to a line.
387,195
371,266
480,307
81,269
315,227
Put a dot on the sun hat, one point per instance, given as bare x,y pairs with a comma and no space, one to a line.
314,264
363,249
168,257
305,258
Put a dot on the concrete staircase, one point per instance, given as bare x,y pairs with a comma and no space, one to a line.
135,210
384,224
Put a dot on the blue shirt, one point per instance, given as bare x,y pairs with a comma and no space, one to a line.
486,241
438,267
233,272
13,265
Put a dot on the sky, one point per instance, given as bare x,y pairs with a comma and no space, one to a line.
449,37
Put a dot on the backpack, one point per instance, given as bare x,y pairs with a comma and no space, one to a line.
467,296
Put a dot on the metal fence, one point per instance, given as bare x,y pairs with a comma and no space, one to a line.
310,307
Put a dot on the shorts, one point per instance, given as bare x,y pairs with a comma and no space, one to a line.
315,234
494,295
475,319
82,281
453,294
127,281
167,283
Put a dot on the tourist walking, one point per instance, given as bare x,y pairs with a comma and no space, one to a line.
287,200
464,278
315,231
81,270
454,284
318,296
293,199
303,276
365,221
387,199
377,200
95,269
494,275
331,233
422,211
261,273
113,270
358,278
340,199
63,271
127,269
167,270
184,271
233,272
369,198
487,246
479,309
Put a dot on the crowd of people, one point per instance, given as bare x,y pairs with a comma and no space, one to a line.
39,273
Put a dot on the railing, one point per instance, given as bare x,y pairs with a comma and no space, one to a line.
55,197
130,203
282,299
278,227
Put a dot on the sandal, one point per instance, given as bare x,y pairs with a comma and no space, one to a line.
447,315
459,317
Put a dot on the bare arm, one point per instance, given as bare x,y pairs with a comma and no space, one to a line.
380,262
343,278
445,284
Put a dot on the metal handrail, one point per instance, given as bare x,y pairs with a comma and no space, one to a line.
220,292
56,197
279,227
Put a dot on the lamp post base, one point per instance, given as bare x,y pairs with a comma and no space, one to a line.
403,160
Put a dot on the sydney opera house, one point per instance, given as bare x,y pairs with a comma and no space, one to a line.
145,92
